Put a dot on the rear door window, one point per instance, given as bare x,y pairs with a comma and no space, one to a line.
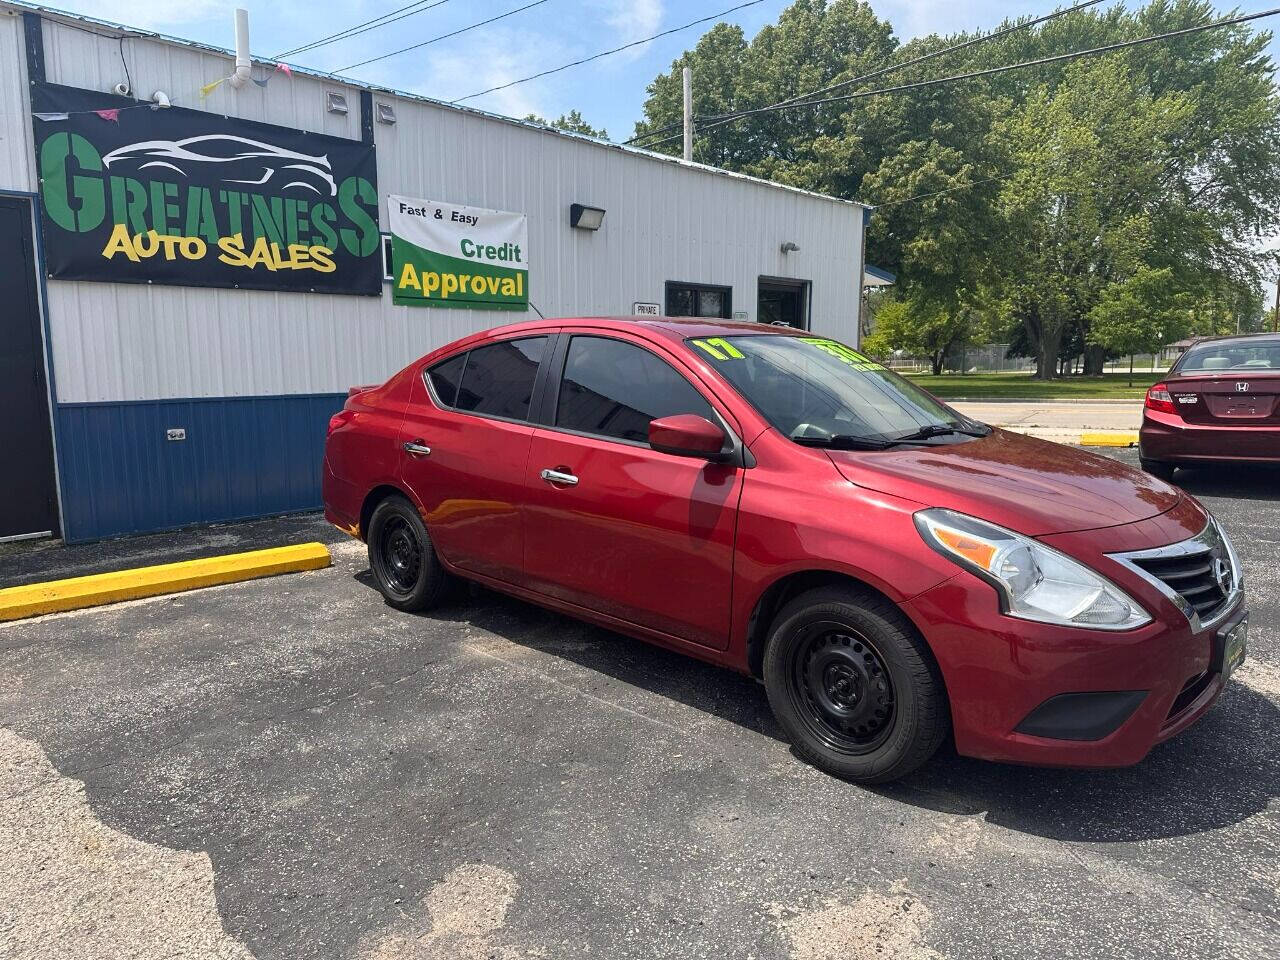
445,377
497,380
613,389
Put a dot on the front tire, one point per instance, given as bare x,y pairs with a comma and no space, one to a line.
402,557
1158,469
854,686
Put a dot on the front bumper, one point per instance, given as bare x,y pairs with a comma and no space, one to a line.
1168,438
1011,682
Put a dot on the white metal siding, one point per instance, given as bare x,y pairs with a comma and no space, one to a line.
16,159
664,221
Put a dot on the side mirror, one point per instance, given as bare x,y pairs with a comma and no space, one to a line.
687,435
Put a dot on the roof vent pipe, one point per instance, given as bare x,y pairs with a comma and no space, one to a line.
244,65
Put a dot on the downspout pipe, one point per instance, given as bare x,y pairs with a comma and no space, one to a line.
244,64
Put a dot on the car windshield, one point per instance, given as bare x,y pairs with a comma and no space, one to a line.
817,390
1208,358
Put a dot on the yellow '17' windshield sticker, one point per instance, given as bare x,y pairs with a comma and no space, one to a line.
841,352
718,348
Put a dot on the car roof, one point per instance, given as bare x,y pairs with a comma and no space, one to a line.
1241,339
674,328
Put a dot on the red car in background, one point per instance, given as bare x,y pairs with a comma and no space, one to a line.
1220,402
776,503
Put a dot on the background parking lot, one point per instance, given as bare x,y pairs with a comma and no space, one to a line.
289,768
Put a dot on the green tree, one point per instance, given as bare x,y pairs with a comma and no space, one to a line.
1140,314
1042,186
921,329
573,122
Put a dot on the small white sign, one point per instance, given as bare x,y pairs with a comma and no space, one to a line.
640,309
740,315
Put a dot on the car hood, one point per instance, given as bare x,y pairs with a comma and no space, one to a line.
1031,486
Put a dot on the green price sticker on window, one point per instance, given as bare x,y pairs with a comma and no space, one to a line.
841,352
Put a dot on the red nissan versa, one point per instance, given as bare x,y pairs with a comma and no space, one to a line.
1220,402
775,503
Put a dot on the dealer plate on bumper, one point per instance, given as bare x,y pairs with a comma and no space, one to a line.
1229,646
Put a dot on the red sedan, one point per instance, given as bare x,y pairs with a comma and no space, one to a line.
776,503
1220,402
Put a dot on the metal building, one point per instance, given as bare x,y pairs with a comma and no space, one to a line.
144,390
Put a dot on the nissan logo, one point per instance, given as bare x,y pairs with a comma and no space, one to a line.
1242,386
1222,575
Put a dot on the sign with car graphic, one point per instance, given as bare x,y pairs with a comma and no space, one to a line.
446,255
178,196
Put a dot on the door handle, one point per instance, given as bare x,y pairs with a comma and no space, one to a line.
559,478
416,448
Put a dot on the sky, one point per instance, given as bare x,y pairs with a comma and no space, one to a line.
610,92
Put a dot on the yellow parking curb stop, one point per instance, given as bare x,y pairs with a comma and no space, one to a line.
56,596
1111,438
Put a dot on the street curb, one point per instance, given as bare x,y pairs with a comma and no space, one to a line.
1111,438
1076,438
56,596
1117,400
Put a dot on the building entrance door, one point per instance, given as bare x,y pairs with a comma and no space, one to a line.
28,506
784,302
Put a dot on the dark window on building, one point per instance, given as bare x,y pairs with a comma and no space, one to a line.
386,257
699,300
613,389
497,380
444,379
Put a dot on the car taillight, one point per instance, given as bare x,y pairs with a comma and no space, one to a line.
1158,398
338,419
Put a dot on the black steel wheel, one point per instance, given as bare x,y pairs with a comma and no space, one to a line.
844,688
402,558
854,685
401,554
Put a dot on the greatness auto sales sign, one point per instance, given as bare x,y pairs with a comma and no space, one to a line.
445,255
180,196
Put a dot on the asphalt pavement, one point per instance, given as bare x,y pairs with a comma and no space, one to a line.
290,769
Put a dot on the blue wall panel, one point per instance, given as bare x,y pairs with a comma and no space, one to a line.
243,457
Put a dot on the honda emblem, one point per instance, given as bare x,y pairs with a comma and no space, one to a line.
1242,386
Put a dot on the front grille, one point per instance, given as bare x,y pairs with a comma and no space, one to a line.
1202,578
1201,575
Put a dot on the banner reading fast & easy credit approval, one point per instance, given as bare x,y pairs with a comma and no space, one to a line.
446,255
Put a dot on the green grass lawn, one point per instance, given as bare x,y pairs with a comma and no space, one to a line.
1015,386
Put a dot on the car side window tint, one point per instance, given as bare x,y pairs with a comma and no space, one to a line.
613,389
498,379
444,378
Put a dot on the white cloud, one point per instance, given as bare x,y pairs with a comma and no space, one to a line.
633,19
476,63
629,20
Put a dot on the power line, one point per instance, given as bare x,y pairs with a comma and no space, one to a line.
606,53
443,36
906,63
938,193
382,21
1057,58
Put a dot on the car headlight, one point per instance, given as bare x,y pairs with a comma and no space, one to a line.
1035,582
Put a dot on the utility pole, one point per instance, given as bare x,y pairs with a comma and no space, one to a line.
688,113
1275,317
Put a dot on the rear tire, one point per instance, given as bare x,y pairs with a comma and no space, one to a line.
854,685
1158,469
402,557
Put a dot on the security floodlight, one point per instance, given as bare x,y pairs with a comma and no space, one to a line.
584,217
